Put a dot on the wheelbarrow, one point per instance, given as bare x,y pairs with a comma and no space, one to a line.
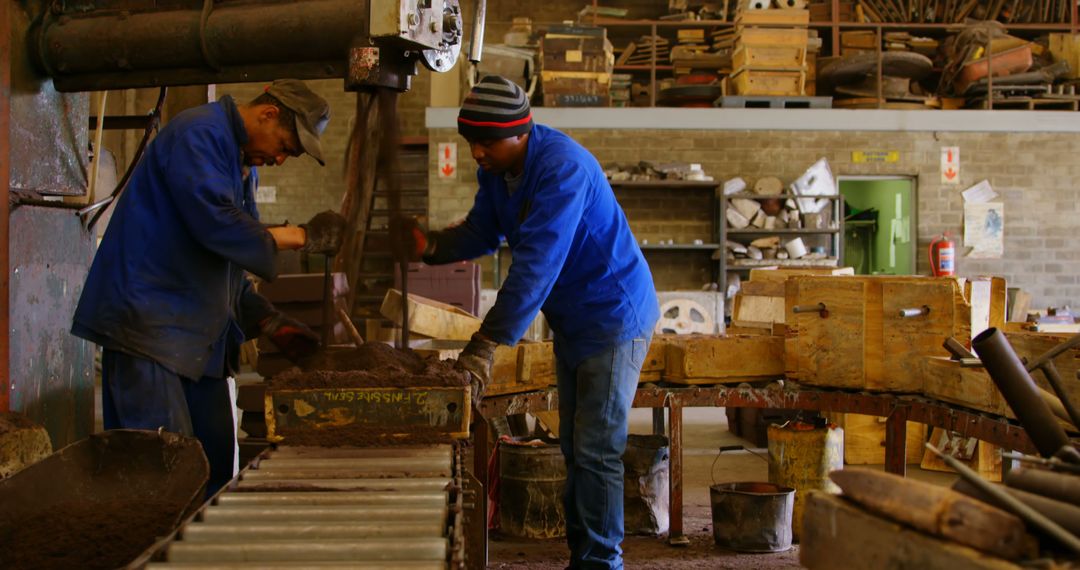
100,502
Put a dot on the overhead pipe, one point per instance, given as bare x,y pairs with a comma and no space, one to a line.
1020,392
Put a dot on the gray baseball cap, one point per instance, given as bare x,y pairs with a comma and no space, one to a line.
312,113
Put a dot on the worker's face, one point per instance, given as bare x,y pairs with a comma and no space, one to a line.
269,141
499,155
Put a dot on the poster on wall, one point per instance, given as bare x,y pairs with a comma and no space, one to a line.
984,229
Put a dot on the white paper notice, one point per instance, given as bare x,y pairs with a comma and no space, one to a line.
984,229
979,193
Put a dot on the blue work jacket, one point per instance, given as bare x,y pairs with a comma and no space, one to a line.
168,280
574,256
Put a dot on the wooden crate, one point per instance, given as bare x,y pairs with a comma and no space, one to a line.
708,359
431,318
864,439
769,82
536,364
1031,345
1066,47
863,343
947,381
985,458
771,57
769,37
776,17
504,372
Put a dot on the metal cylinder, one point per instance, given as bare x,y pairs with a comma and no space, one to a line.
321,514
818,308
1057,486
914,312
235,42
801,457
752,517
532,480
315,498
310,531
412,549
279,484
1014,382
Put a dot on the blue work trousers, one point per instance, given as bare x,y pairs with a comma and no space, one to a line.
594,404
138,393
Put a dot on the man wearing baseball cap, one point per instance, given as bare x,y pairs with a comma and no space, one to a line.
167,296
575,259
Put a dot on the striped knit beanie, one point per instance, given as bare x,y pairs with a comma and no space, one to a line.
496,108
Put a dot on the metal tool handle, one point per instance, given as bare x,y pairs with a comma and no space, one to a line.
909,313
476,46
819,308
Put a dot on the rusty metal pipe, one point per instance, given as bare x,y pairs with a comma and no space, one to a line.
1020,392
1057,486
244,41
914,312
1013,505
1053,377
1064,514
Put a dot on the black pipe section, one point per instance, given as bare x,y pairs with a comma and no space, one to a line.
1058,486
1019,390
1064,514
237,41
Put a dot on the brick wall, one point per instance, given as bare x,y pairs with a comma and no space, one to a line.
1035,175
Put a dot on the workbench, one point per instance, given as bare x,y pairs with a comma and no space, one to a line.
898,409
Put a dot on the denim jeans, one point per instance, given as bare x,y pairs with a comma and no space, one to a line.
594,403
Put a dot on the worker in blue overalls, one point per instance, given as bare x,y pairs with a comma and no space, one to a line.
167,297
575,259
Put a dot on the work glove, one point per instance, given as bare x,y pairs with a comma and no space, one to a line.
325,232
409,238
478,358
292,337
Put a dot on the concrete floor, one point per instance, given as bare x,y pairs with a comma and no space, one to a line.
704,432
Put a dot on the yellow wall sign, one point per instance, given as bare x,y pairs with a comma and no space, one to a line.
863,156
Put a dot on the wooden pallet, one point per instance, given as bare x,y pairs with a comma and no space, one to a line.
1030,104
774,102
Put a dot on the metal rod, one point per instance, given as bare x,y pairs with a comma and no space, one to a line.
1053,353
909,313
357,464
307,531
1020,392
957,350
433,498
289,451
1057,486
1062,513
411,549
476,46
325,513
343,484
1053,463
1012,504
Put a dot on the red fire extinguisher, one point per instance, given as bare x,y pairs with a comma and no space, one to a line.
942,254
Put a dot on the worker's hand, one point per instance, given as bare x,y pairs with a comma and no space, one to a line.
477,359
325,232
409,238
292,337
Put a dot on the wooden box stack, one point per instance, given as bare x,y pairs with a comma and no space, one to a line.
770,52
576,66
861,341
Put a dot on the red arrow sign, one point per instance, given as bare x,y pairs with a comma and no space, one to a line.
949,154
447,169
950,174
448,153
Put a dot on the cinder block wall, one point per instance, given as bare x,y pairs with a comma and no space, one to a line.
303,187
1035,174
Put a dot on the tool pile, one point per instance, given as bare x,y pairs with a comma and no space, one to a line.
1035,515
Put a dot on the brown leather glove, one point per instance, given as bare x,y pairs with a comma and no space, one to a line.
409,238
325,232
292,337
478,358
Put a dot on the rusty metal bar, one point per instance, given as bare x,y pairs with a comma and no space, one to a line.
7,42
1058,384
1010,376
957,349
675,482
1057,486
896,441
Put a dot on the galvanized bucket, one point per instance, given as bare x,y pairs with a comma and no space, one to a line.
752,517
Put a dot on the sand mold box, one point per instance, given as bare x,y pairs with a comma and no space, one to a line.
371,365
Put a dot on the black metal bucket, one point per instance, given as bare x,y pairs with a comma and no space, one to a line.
532,480
752,517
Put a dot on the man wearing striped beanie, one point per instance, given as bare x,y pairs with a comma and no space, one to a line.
575,259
